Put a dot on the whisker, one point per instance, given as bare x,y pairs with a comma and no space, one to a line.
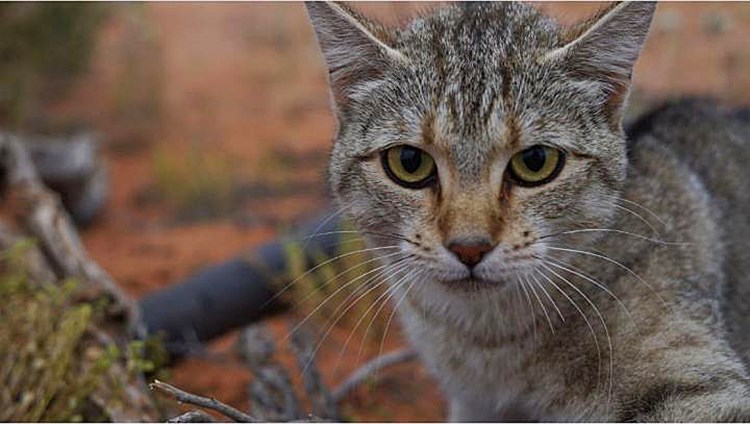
531,306
604,324
318,266
384,302
323,223
639,216
613,230
335,277
610,260
331,326
332,295
640,206
585,319
364,315
393,313
575,271
552,301
544,309
356,233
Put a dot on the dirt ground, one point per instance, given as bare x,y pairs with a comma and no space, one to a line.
244,84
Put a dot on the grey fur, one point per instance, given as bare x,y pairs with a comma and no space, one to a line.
640,310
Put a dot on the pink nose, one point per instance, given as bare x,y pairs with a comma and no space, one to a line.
470,252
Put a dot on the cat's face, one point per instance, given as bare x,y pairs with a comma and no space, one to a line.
471,138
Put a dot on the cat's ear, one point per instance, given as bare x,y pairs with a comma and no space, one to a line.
604,49
355,48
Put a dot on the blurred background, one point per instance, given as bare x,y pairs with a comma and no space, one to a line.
213,122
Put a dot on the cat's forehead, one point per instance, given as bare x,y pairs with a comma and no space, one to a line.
478,32
471,65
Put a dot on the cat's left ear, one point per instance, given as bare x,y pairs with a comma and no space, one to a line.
605,48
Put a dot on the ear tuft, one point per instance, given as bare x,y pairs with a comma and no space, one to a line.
355,49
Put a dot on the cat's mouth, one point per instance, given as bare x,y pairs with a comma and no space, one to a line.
472,283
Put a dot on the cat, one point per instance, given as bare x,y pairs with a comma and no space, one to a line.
541,262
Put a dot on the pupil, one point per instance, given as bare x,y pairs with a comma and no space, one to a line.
534,159
411,159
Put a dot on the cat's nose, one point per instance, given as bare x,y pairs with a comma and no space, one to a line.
470,252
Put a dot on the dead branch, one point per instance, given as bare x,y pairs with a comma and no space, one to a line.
367,370
203,402
192,417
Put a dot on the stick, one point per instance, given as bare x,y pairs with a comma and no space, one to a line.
192,417
363,373
204,402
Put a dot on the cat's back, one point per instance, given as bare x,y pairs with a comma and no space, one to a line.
714,142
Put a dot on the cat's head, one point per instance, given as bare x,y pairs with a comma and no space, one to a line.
469,136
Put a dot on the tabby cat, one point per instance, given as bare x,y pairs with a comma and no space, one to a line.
544,263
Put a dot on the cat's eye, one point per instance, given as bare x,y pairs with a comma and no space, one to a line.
536,165
409,167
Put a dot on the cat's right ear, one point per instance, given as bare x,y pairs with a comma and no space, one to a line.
356,50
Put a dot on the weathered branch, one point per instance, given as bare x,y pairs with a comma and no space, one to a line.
367,370
203,402
192,417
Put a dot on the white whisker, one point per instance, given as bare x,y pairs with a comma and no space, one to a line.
612,261
613,230
322,264
541,304
585,318
604,324
561,265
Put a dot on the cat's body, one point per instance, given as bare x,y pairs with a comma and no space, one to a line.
540,263
670,362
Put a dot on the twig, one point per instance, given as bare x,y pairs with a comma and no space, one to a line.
371,367
192,417
204,402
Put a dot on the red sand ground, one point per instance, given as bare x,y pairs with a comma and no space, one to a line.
241,79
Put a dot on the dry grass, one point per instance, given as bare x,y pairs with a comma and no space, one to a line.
198,184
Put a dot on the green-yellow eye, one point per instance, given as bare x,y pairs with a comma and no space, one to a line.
409,166
536,165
